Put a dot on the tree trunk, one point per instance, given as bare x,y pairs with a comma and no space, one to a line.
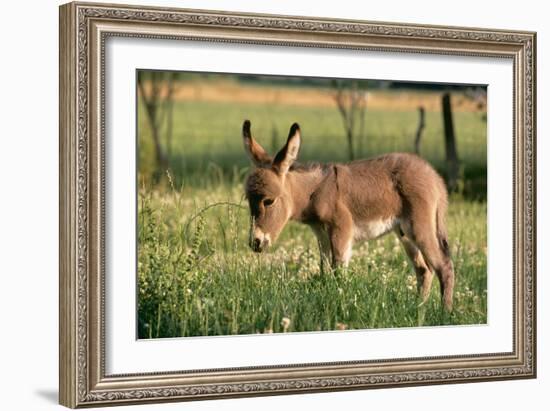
362,114
162,159
151,104
420,129
450,145
170,113
351,150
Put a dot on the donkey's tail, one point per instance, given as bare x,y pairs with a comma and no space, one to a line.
441,226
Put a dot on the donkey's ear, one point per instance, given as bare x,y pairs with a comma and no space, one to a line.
255,151
289,153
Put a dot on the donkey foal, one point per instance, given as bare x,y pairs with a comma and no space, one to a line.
361,200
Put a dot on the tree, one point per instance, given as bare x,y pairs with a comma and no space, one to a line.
450,144
156,89
351,98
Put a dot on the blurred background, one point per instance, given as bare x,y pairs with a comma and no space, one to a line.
190,123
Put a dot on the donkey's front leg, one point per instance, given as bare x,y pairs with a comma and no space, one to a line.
325,249
341,237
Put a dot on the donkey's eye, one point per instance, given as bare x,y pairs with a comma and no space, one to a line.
268,202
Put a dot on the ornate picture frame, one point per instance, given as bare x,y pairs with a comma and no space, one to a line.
84,29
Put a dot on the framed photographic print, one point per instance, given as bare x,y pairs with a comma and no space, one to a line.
259,204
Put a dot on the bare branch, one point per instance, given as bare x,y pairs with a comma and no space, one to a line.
351,103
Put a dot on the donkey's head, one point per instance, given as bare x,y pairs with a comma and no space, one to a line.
267,189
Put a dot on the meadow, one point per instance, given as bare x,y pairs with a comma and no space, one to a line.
197,276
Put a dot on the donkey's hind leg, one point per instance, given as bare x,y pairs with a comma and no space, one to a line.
424,275
424,235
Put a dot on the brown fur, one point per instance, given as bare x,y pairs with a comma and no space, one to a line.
342,203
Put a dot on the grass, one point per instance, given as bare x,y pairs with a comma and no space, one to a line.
197,276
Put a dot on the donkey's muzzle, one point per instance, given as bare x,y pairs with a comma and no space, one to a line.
258,245
259,240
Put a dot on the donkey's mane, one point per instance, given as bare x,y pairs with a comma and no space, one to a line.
309,166
303,167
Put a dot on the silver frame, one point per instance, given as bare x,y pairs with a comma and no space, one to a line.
84,28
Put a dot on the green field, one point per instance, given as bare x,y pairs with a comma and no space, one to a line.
207,143
197,275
